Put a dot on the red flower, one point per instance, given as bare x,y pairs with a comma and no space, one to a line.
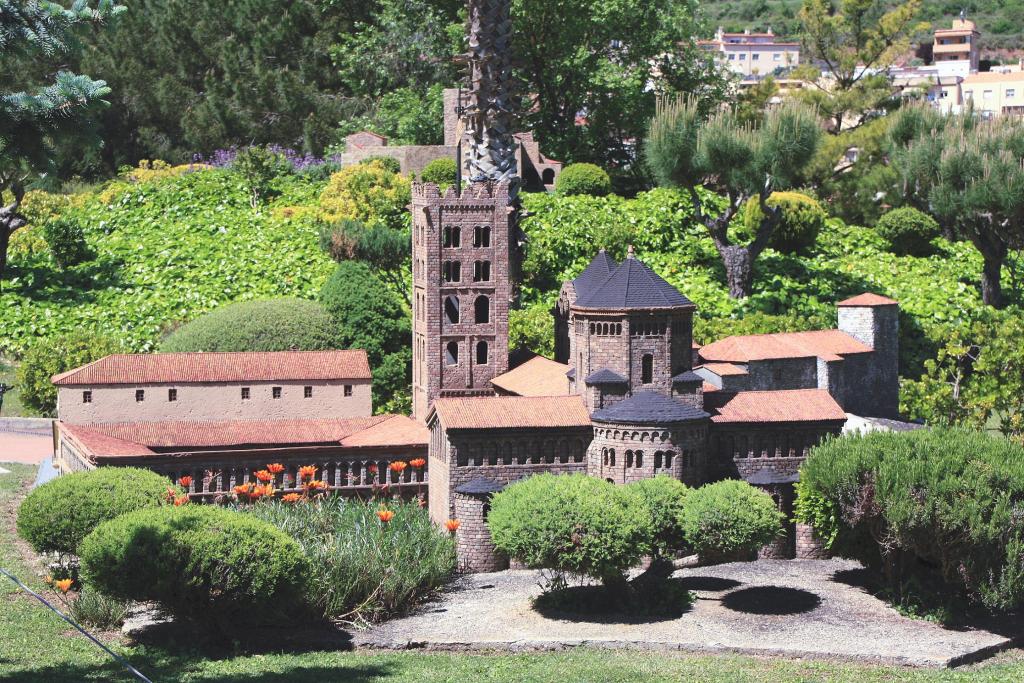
386,515
372,469
317,485
275,468
398,465
170,493
452,525
307,472
185,481
181,500
264,476
291,498
418,463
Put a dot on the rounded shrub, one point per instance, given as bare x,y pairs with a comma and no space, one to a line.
572,523
730,520
368,192
390,163
583,179
57,515
665,498
216,566
801,222
440,171
908,231
66,240
52,356
263,325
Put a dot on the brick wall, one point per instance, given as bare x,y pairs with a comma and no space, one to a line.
742,449
473,545
809,546
679,449
872,385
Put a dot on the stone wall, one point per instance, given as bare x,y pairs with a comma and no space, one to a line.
625,453
412,159
473,545
743,449
809,546
872,380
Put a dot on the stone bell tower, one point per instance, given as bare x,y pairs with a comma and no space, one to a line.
466,239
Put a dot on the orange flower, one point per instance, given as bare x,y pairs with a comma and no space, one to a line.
180,500
170,493
243,490
418,463
64,585
291,498
264,476
317,485
307,472
452,525
275,468
185,481
371,468
386,515
398,465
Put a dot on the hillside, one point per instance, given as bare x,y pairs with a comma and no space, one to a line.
999,21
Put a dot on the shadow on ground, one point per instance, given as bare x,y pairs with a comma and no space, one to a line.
708,584
776,600
177,671
594,604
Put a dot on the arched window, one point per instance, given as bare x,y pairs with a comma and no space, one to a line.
548,176
451,236
629,458
657,460
482,271
611,456
451,309
481,353
647,369
451,271
482,309
639,458
482,236
604,456
451,353
668,459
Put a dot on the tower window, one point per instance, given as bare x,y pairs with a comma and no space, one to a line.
482,309
629,458
172,394
140,395
451,271
639,458
647,369
481,353
611,456
482,271
451,309
451,353
451,237
482,236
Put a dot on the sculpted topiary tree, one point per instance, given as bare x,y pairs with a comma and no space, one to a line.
686,149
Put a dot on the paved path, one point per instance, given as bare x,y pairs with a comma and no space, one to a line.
24,447
794,608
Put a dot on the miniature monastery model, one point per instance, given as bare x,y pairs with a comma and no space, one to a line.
627,397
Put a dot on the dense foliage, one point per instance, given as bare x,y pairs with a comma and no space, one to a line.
908,231
281,324
222,568
51,356
801,221
440,171
665,498
369,192
583,178
729,520
66,240
936,511
385,250
363,569
57,515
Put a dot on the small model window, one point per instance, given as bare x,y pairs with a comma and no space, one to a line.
307,392
482,271
482,309
451,237
647,369
451,309
348,390
140,395
481,353
275,392
451,354
482,236
639,458
172,394
245,393
86,397
451,271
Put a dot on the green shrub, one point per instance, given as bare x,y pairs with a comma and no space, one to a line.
264,325
730,520
797,231
66,240
57,515
258,167
707,329
665,498
908,231
362,570
92,608
586,179
219,567
572,523
368,192
388,163
933,509
441,171
52,356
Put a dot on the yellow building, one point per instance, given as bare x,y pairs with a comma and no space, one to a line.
751,54
995,94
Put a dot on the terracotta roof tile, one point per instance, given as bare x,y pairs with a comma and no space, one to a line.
162,368
827,344
538,376
797,405
724,369
396,430
868,299
511,412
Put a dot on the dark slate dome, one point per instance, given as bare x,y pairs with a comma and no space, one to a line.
632,285
596,272
605,376
648,407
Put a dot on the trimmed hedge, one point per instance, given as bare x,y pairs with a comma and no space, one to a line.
265,325
56,516
938,510
802,221
729,520
441,171
665,498
908,231
220,567
586,179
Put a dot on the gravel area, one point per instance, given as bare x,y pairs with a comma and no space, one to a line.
795,608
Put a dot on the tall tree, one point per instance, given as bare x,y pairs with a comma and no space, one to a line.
687,149
848,45
42,105
968,174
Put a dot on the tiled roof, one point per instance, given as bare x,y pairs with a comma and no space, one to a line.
538,376
605,376
767,477
868,299
724,369
827,344
648,407
183,368
632,285
595,273
571,373
511,412
796,405
480,486
688,376
145,438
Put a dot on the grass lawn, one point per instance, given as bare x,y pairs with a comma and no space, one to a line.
12,406
36,646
